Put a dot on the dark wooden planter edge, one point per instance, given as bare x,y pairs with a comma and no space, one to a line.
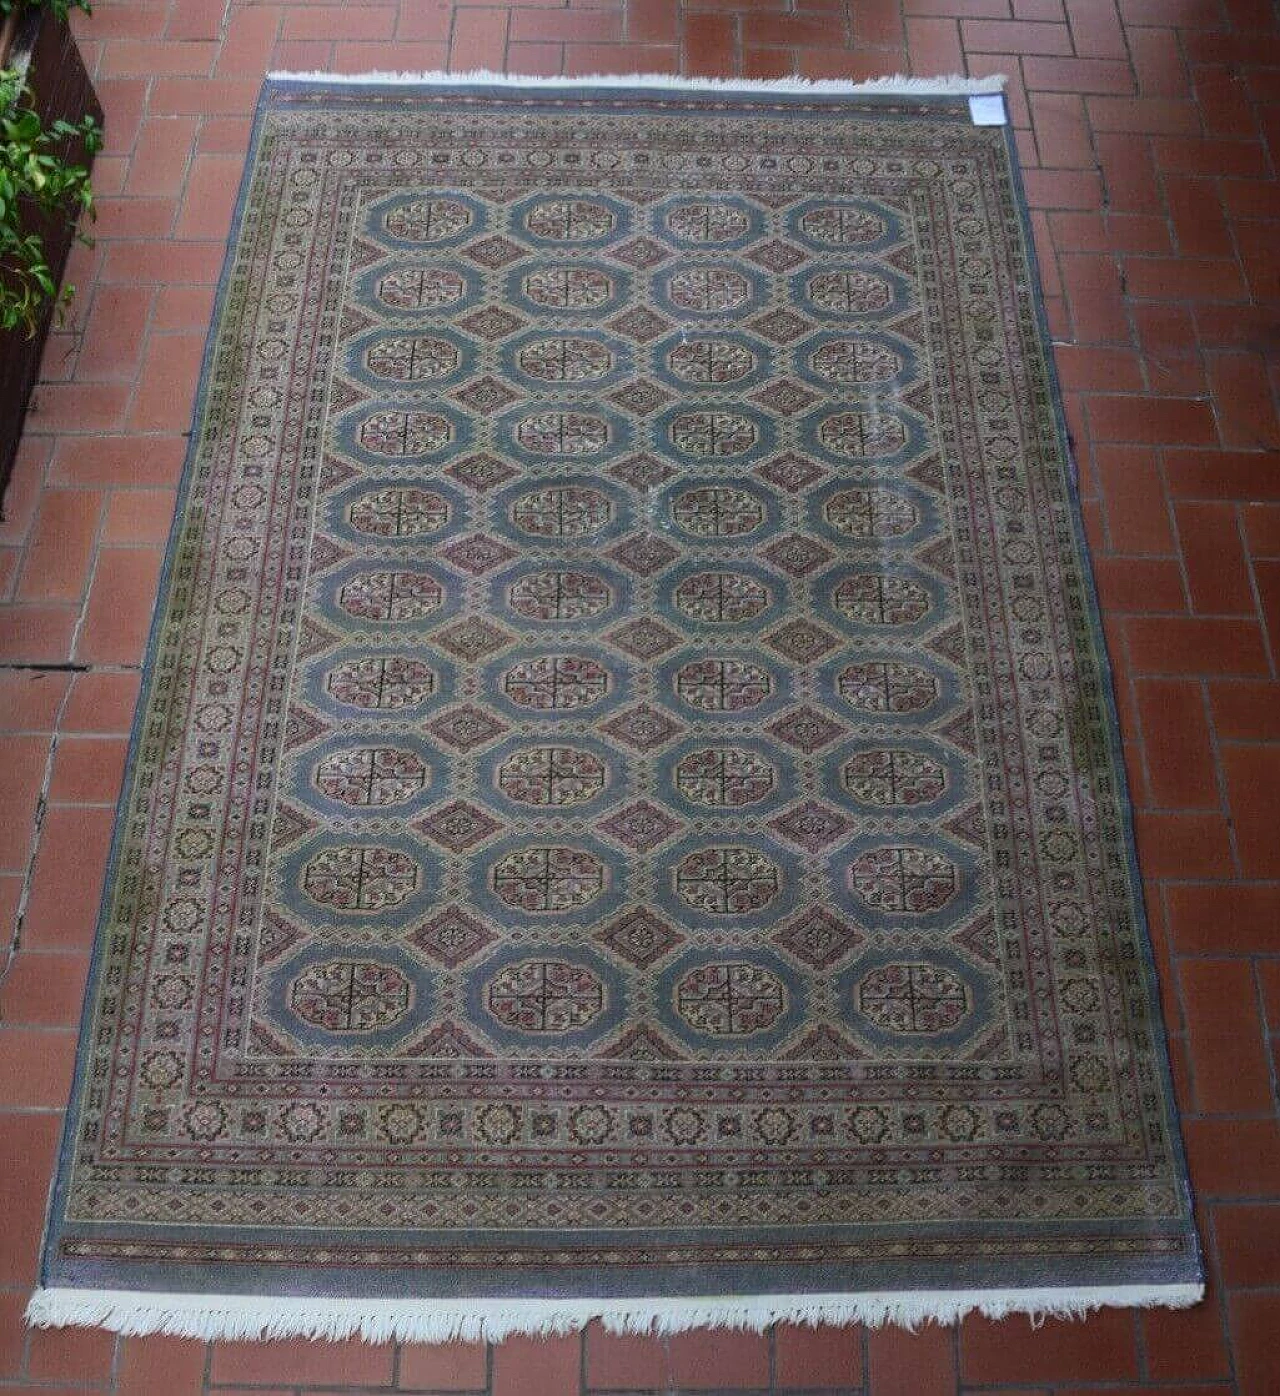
46,51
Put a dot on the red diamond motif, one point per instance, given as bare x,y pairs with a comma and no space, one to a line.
777,256
641,397
466,727
642,472
801,641
495,251
492,322
477,554
639,937
472,639
781,326
643,727
641,252
817,937
485,395
639,323
644,553
806,728
812,825
481,471
459,826
797,554
642,826
645,638
453,937
791,472
785,396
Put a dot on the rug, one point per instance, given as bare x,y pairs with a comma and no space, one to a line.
625,817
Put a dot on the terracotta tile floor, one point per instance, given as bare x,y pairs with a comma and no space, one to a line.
1148,131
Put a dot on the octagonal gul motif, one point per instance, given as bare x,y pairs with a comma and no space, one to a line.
903,879
561,511
438,220
350,996
887,686
702,222
360,878
581,359
559,596
730,998
404,361
584,221
381,682
709,290
370,776
713,998
422,288
543,879
562,433
871,598
577,287
725,777
723,685
720,598
390,596
709,361
727,880
709,434
850,293
399,512
545,996
557,683
716,776
893,776
913,998
837,225
862,435
856,226
871,512
717,511
552,777
404,433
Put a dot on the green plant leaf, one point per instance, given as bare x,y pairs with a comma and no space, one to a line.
34,173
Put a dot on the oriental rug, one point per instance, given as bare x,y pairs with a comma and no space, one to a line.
626,816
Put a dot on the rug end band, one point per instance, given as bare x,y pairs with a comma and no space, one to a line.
211,1316
898,85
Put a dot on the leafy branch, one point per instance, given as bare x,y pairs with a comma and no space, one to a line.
60,9
37,183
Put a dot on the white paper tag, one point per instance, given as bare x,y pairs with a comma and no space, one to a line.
987,109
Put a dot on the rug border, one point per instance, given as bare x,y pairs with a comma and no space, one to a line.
1162,1058
427,1319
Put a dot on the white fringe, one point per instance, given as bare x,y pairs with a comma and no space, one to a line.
898,86
212,1316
